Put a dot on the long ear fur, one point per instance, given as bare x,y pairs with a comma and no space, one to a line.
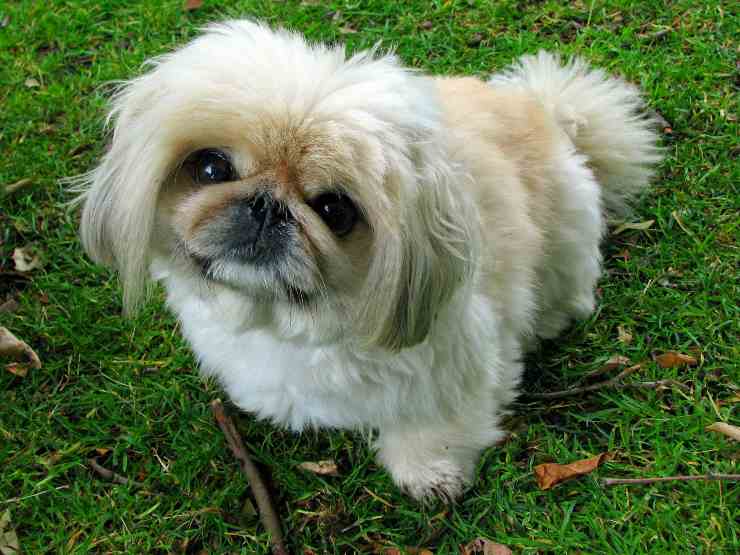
436,254
119,196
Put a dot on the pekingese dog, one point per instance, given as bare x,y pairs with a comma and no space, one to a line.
351,244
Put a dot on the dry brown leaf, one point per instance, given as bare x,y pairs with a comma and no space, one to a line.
405,551
17,369
727,429
640,226
9,306
623,335
32,83
614,362
102,451
730,400
484,546
13,187
674,360
347,30
27,259
11,346
9,544
322,468
73,540
550,474
475,40
190,5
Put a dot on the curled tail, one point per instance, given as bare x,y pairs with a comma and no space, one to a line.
604,117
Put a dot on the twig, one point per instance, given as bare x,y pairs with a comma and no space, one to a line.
268,515
17,499
593,387
655,385
112,476
627,481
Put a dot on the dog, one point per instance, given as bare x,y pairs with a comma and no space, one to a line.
351,244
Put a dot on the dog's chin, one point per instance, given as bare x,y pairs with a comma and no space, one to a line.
262,284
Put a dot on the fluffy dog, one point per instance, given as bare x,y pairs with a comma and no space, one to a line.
351,244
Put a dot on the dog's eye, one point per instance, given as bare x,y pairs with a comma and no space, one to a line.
211,166
338,212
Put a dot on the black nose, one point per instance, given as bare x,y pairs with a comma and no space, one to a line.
259,229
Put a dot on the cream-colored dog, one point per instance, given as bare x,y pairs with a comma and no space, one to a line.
351,244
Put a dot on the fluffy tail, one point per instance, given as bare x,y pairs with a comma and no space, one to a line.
604,116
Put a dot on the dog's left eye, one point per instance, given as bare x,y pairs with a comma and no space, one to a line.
210,166
338,212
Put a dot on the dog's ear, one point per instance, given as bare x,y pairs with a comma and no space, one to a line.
432,257
119,196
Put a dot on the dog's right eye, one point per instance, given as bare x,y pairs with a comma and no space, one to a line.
211,166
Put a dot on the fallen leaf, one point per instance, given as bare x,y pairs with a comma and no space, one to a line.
27,259
102,451
8,539
322,468
475,40
623,335
427,25
727,429
13,187
73,540
730,400
487,547
405,551
17,369
5,21
32,83
11,346
551,474
674,360
640,226
614,362
190,5
9,306
347,30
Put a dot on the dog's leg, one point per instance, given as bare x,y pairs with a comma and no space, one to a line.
438,459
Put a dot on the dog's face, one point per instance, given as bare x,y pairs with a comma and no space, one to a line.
280,214
297,179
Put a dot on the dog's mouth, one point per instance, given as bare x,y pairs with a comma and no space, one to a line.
276,288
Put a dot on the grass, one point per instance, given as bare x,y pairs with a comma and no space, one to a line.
129,386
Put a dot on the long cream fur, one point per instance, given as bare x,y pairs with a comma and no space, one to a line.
483,208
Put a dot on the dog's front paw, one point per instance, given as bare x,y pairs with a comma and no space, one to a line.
442,480
427,481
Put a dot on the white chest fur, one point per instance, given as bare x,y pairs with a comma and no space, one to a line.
298,381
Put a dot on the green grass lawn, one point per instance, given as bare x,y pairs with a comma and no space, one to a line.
130,389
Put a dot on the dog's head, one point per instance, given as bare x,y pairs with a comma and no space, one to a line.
290,174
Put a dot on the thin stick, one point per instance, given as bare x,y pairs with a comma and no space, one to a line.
654,385
112,476
268,515
593,387
18,499
627,481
